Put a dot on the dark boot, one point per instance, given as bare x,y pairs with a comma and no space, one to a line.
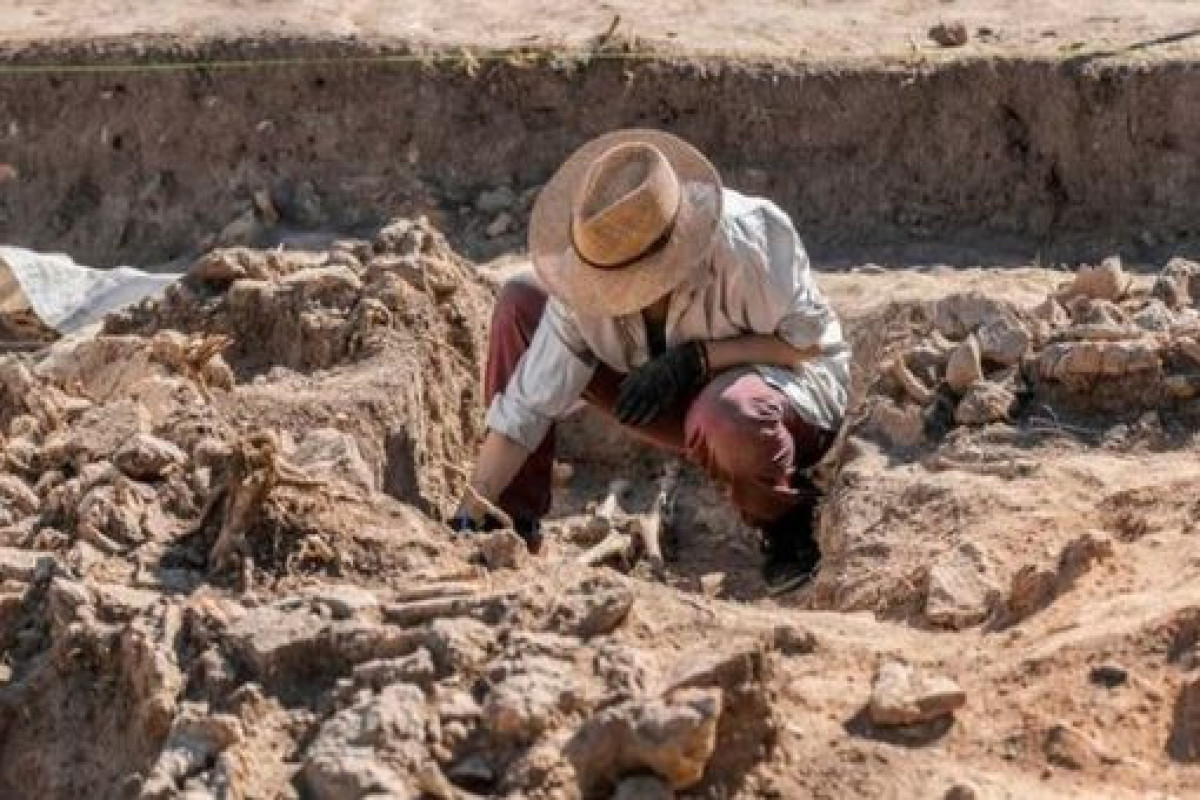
791,554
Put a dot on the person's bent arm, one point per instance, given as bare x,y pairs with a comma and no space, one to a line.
549,380
769,349
500,459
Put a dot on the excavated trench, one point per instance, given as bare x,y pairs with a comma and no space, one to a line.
146,157
155,157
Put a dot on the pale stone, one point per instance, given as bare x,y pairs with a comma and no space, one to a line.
904,695
964,367
1107,281
959,595
673,737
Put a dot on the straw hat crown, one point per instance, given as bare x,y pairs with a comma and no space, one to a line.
625,205
626,219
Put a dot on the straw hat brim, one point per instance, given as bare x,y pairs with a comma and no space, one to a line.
595,291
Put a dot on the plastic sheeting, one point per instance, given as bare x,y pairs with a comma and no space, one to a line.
67,296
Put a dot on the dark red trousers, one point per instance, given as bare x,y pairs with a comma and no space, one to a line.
744,432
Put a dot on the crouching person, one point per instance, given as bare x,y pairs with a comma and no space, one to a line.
688,313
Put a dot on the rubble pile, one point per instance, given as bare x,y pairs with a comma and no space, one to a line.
968,404
1100,344
201,567
223,574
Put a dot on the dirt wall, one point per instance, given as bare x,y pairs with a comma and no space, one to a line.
1029,159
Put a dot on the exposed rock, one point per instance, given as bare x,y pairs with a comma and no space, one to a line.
344,643
66,598
224,266
147,457
1093,316
195,741
1178,285
898,425
528,700
415,668
459,644
964,367
1003,340
344,600
950,34
24,565
1189,347
1107,281
545,766
984,403
594,607
959,594
330,454
336,286
1082,551
673,737
1071,748
624,670
501,549
1066,360
959,315
272,640
111,516
457,705
1184,744
905,695
369,748
927,359
726,669
1031,588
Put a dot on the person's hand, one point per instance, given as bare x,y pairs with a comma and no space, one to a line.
660,383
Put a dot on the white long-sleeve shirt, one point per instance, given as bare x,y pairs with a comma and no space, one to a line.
757,281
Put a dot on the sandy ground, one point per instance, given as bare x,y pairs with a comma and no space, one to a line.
813,29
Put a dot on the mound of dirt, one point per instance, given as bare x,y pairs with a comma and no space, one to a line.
975,403
208,591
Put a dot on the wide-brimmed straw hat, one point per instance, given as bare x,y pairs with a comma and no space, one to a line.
626,219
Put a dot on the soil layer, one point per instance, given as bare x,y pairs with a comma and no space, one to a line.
1024,159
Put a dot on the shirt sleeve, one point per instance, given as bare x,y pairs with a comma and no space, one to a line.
780,295
549,380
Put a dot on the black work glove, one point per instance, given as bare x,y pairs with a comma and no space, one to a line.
660,383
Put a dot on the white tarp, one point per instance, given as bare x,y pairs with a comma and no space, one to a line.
67,296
